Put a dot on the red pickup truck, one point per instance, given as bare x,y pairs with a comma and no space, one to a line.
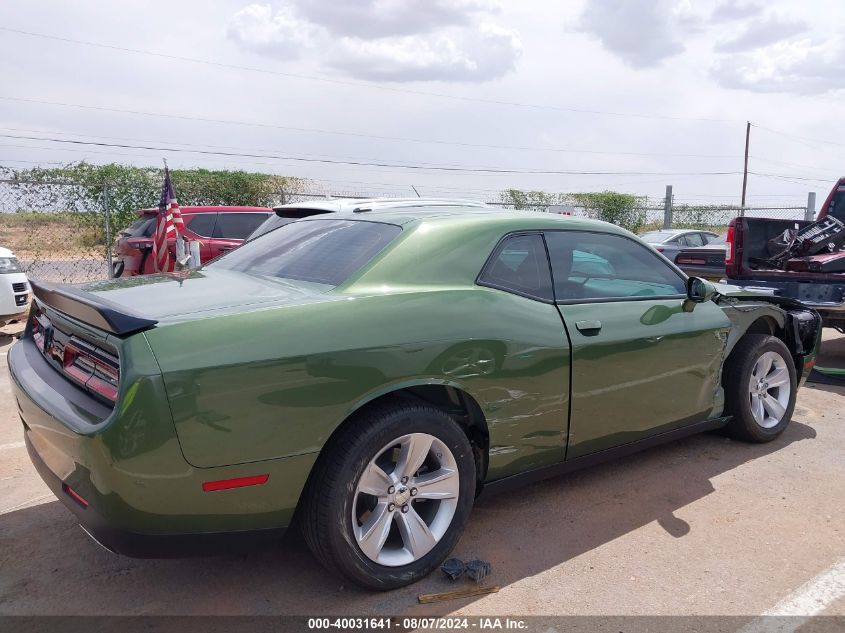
218,229
748,248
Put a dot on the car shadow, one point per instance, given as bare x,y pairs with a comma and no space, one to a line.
50,567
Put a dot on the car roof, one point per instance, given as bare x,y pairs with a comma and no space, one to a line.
210,209
506,220
670,233
348,205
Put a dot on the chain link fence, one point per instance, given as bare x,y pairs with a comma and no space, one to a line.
64,231
54,234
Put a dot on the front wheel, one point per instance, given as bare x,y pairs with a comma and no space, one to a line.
390,495
760,388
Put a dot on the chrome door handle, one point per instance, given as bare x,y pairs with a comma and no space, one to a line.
589,328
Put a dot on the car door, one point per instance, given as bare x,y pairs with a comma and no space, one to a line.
644,360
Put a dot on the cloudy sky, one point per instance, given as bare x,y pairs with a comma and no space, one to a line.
455,97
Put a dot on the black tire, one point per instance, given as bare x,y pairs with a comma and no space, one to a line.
736,378
328,504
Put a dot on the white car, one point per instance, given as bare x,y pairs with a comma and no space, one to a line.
14,288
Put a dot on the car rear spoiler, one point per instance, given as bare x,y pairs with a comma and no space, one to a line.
89,308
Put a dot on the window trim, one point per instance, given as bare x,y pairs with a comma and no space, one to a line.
488,263
684,277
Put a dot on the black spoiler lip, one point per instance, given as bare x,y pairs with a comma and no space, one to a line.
89,308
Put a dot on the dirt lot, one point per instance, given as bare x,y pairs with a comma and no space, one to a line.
702,526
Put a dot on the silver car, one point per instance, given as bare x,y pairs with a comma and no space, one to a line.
670,241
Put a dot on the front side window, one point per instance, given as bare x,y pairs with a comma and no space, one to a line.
595,266
318,251
519,265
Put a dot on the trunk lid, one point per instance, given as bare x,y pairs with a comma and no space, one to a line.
208,292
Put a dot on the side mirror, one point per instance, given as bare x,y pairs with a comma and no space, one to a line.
699,290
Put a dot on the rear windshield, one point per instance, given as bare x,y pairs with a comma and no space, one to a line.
837,204
655,237
142,227
270,224
319,251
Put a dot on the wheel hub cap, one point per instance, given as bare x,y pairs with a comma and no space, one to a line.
402,496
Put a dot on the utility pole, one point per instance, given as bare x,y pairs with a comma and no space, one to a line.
745,169
810,212
667,208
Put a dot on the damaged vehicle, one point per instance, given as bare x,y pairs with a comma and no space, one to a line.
369,375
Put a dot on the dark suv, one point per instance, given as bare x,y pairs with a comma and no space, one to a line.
217,229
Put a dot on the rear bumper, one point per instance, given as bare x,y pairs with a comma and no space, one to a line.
138,545
139,495
15,295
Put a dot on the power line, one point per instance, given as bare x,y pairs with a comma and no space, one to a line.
361,84
365,163
334,132
797,137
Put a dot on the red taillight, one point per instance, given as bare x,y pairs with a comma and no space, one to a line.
37,334
70,492
100,376
729,245
237,482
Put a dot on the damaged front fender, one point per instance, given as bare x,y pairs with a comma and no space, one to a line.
798,326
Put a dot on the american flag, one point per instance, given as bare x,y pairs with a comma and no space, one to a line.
168,226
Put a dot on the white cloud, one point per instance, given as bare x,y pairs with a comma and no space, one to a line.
800,67
729,11
762,33
386,18
480,54
388,40
279,33
641,32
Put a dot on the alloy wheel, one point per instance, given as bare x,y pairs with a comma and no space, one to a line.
769,389
405,500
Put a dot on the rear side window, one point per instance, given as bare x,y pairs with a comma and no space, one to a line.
520,265
201,223
320,251
237,226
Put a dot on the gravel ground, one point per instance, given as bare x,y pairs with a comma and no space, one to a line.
701,526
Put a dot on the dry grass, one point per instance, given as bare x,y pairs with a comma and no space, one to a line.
46,236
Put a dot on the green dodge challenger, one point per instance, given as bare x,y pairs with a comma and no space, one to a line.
367,374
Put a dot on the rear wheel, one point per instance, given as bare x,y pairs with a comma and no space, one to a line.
390,495
760,388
